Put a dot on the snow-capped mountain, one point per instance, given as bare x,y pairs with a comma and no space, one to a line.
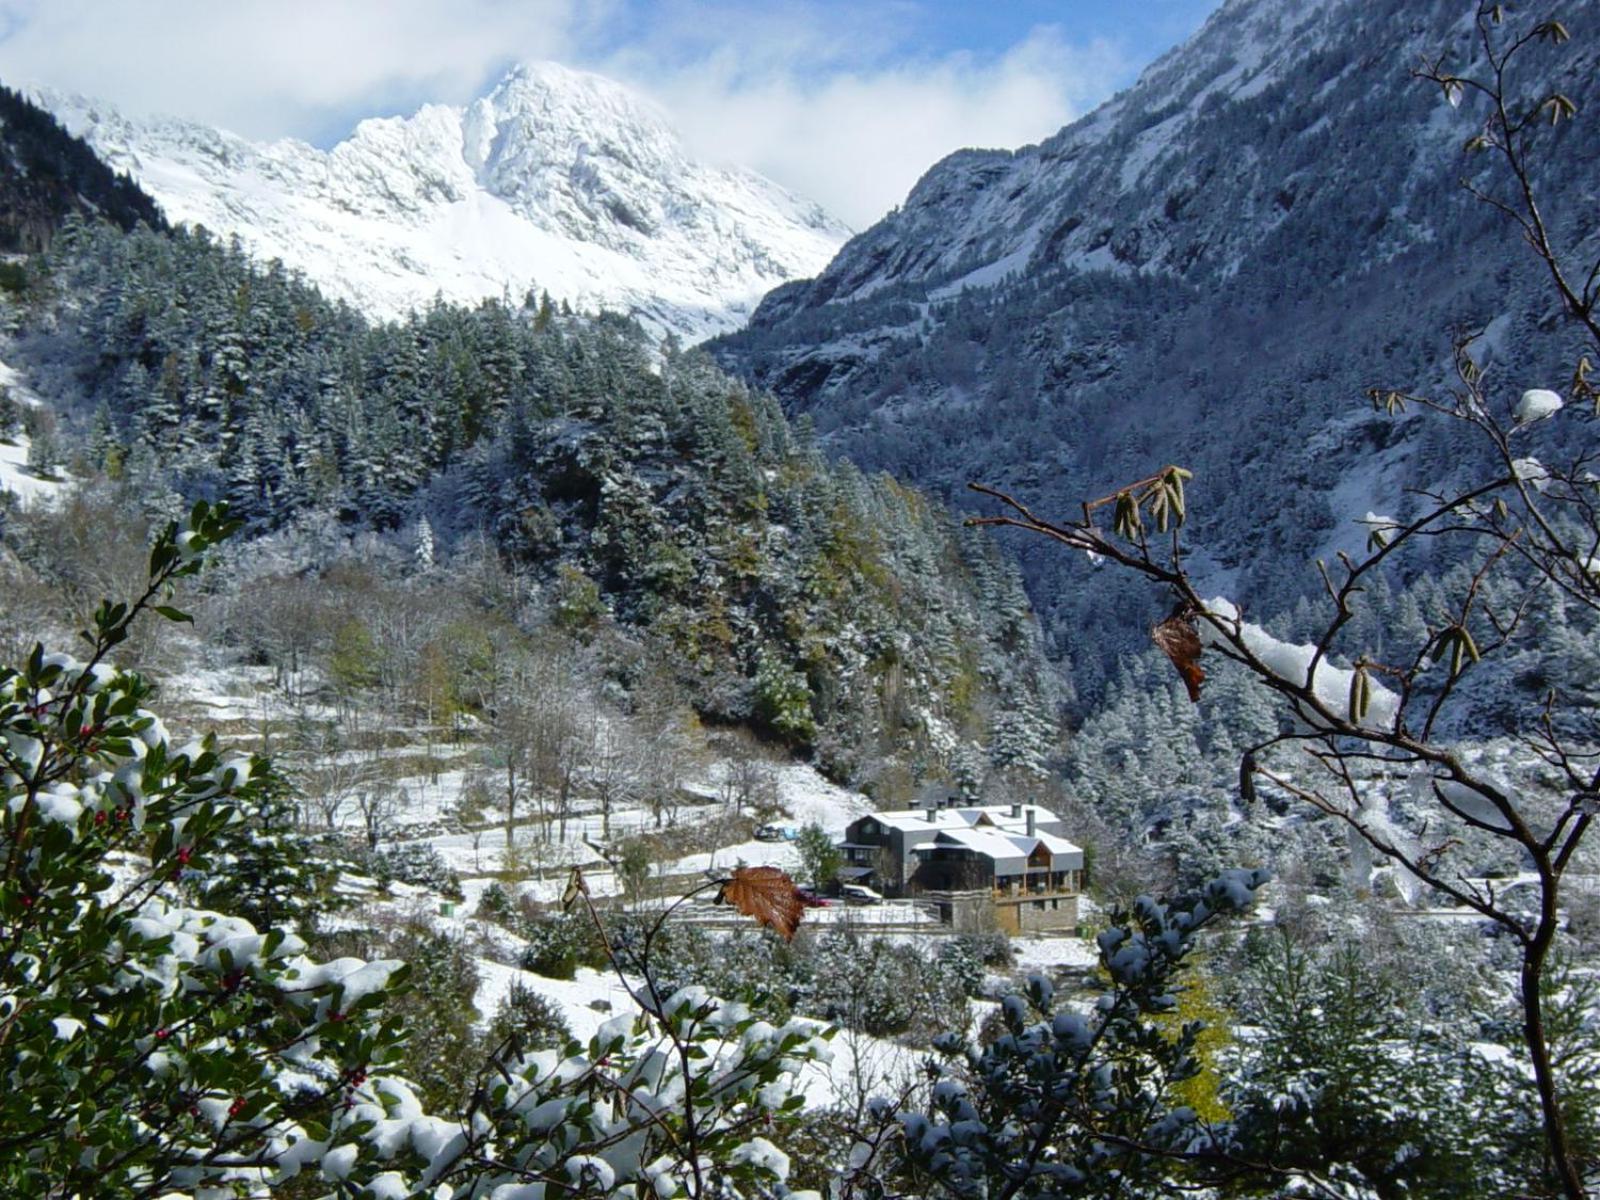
557,179
1210,269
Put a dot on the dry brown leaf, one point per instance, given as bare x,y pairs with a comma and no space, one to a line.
766,894
1178,640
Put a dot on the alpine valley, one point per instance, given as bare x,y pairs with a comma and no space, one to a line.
506,694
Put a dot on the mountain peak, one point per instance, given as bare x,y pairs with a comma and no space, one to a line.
555,179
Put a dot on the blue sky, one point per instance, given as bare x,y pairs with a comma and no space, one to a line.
845,101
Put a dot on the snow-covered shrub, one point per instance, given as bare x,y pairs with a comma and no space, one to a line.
558,944
497,904
992,949
613,1119
153,1047
1067,1102
961,966
10,416
158,1049
417,863
533,1020
1340,1078
773,977
441,1050
270,872
886,989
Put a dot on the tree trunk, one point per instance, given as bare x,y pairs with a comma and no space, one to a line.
511,802
1534,956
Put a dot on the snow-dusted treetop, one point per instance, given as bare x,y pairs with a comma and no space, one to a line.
557,179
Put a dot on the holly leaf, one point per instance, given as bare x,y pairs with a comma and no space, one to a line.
1177,639
766,894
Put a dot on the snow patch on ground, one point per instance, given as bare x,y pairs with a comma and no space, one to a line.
15,475
16,478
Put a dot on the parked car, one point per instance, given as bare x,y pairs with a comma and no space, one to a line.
776,833
860,893
811,900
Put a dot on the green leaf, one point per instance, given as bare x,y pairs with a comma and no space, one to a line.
173,614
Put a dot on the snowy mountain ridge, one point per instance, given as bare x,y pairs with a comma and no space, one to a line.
1210,269
1131,187
557,179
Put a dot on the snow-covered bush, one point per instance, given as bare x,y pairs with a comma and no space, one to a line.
496,904
964,969
156,1049
532,1019
417,863
674,1102
1067,1102
886,989
992,949
558,944
153,1047
10,415
1338,1077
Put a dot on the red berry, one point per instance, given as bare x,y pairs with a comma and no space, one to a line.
100,818
184,854
236,1107
27,902
86,731
163,1034
336,1016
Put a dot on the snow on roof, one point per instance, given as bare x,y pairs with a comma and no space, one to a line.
997,846
998,815
915,819
1060,849
1007,849
1059,845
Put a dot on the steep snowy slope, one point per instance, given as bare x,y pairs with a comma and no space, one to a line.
1210,269
556,179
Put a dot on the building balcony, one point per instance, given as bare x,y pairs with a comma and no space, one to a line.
1037,889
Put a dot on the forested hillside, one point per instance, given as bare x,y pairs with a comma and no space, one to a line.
1211,269
629,484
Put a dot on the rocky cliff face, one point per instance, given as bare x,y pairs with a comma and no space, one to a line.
556,180
46,174
1210,269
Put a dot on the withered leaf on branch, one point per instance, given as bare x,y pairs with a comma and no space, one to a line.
576,886
1247,778
1179,641
766,894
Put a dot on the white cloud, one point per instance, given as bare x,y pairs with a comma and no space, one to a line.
824,97
264,68
856,138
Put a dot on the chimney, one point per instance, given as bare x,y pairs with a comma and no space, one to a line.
1016,809
1031,822
932,812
